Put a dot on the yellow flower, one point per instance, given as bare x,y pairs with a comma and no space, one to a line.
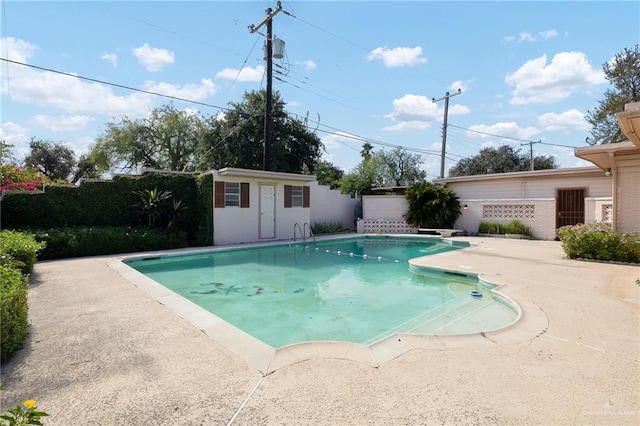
29,403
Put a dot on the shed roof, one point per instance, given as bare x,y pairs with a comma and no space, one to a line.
261,174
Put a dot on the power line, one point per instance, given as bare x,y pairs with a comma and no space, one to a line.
491,134
344,133
557,144
515,139
121,86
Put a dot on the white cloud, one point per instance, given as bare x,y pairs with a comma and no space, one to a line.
194,92
538,81
458,109
152,58
509,129
406,126
246,74
459,85
13,133
525,36
414,108
63,123
73,95
398,56
112,58
416,112
568,121
308,65
548,34
16,49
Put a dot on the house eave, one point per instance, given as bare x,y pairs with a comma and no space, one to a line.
629,121
574,171
602,155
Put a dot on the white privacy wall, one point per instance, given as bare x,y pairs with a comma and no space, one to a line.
537,213
384,214
331,206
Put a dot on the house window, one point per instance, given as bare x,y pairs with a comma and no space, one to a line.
296,196
231,194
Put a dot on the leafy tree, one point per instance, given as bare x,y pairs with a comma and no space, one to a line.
54,160
432,206
58,162
166,139
500,160
6,156
623,72
328,174
367,175
395,168
402,168
237,138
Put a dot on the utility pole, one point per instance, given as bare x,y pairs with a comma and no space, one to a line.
531,152
266,160
444,127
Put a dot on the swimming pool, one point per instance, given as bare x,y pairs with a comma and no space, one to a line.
357,290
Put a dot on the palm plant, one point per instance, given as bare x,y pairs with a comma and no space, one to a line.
432,206
153,205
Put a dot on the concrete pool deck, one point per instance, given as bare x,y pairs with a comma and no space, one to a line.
103,351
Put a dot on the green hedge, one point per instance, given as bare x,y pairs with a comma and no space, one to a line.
13,310
19,249
204,184
17,256
100,203
598,241
69,242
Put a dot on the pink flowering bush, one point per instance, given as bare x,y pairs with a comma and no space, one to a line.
14,178
598,241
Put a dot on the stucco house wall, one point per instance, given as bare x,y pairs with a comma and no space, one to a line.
529,197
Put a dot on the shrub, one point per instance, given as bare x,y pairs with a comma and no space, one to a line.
100,240
490,228
513,227
21,247
516,227
598,241
327,227
13,310
432,206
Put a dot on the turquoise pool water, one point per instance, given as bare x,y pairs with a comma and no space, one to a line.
356,290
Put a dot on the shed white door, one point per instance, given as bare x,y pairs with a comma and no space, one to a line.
267,211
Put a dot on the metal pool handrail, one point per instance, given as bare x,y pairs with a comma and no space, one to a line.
304,227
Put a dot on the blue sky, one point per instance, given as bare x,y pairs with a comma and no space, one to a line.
360,70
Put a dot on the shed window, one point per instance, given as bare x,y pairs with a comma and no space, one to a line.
231,194
296,196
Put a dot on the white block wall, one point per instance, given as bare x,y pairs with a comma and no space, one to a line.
331,206
542,223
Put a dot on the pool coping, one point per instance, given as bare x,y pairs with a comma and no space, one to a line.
530,322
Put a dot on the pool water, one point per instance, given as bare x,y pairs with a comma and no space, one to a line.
356,290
